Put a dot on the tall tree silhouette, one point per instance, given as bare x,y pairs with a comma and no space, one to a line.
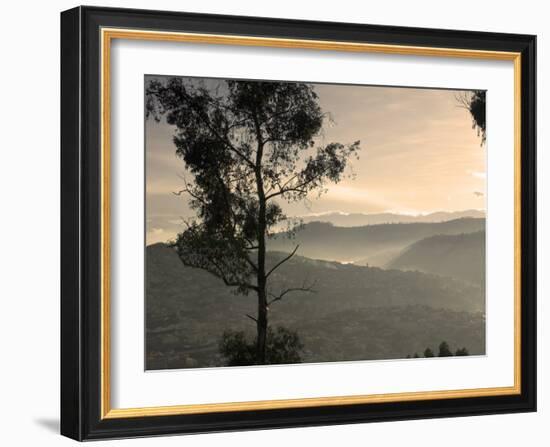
248,146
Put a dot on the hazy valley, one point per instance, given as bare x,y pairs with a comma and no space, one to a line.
375,245
381,291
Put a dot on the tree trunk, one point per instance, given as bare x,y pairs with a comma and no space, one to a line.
261,327
261,323
261,274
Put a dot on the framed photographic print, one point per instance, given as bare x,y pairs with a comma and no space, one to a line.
275,223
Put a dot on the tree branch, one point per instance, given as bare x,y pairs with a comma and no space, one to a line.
298,187
289,290
188,190
220,274
250,262
282,261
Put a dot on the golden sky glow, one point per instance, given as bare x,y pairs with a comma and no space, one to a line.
419,154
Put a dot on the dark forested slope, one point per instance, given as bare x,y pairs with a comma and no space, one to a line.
367,312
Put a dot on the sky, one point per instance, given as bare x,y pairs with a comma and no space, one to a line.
419,154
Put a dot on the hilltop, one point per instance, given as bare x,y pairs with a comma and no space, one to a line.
369,244
340,219
460,256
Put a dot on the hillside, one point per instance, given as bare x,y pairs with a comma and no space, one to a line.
371,244
370,312
339,219
460,256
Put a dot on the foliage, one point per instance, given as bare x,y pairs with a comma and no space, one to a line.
428,353
475,103
283,346
444,350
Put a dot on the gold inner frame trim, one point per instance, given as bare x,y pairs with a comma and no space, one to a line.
107,35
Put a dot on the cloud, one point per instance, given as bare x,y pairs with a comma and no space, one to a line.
157,234
477,174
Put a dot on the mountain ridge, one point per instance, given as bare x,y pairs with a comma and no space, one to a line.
372,244
459,255
341,219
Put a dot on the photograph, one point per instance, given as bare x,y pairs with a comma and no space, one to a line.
293,222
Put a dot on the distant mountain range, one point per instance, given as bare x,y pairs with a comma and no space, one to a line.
375,245
460,256
356,312
360,219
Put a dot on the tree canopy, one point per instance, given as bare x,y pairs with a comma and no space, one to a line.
475,103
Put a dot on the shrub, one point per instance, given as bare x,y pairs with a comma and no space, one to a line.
283,346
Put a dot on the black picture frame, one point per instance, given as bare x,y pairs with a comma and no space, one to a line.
81,223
